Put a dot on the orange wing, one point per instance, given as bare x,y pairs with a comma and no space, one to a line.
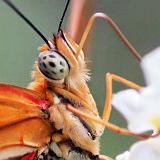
22,124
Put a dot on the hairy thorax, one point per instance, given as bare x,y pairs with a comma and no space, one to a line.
73,132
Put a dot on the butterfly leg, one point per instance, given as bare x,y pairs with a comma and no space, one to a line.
115,28
102,157
107,107
109,79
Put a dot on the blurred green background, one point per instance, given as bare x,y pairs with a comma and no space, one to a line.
138,19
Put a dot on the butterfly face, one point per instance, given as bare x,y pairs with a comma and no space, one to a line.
60,63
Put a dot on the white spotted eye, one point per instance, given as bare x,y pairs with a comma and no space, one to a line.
53,65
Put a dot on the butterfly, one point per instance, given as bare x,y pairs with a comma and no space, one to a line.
56,116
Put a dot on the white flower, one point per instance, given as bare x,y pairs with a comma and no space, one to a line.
123,156
143,150
142,108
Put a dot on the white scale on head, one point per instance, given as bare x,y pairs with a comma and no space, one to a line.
56,99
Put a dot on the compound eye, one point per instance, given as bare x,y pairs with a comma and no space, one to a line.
53,65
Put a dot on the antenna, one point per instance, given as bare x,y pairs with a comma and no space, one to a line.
64,12
12,6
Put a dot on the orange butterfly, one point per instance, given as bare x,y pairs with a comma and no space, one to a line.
57,115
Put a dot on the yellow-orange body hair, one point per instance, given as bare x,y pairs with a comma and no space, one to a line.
74,89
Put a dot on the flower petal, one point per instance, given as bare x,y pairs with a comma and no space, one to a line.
128,103
146,150
150,65
142,150
123,156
